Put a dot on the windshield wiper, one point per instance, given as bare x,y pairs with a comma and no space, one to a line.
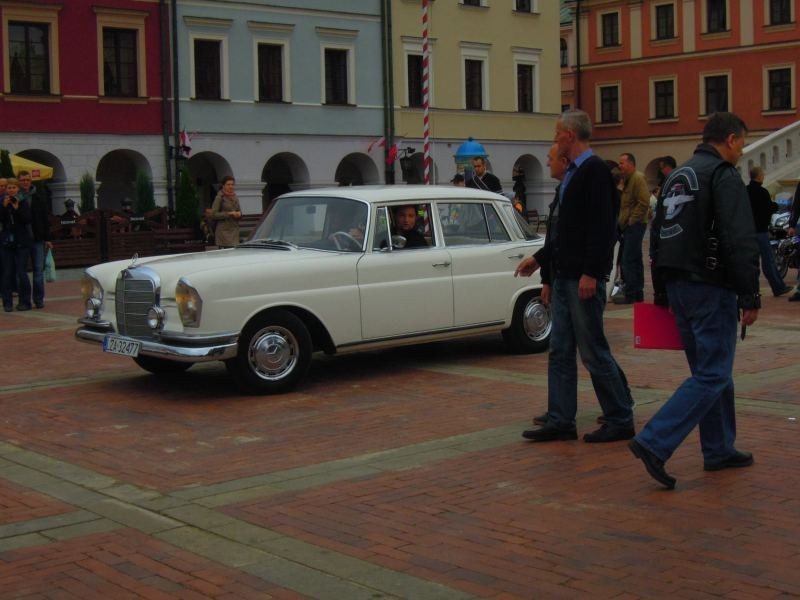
282,244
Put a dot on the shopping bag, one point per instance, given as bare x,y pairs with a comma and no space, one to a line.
49,266
654,327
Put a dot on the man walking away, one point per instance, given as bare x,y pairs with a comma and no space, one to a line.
705,262
762,206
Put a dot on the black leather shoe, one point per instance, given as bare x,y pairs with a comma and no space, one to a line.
785,290
735,460
653,464
540,419
23,306
39,304
794,297
8,308
609,433
550,434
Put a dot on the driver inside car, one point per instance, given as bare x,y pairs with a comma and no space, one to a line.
405,220
347,228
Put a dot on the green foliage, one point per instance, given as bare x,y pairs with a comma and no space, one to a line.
187,204
145,197
6,169
87,192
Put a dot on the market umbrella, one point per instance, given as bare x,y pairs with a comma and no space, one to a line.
37,170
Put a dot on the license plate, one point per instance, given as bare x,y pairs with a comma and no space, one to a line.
119,345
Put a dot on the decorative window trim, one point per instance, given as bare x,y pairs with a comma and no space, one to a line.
413,46
122,19
598,103
704,19
286,79
330,32
765,70
675,96
528,56
224,76
207,22
475,51
705,74
654,21
599,27
351,63
768,14
276,28
47,15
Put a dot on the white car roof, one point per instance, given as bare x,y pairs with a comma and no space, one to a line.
390,193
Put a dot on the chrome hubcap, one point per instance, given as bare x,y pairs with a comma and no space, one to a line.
536,320
273,353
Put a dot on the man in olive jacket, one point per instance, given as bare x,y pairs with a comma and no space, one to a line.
705,263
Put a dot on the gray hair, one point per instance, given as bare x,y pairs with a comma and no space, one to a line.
577,121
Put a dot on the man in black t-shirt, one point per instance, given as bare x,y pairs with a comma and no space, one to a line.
481,179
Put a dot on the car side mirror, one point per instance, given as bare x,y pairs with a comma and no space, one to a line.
398,241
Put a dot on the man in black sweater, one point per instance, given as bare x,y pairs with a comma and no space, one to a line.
762,205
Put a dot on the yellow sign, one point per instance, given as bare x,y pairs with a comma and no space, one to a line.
37,170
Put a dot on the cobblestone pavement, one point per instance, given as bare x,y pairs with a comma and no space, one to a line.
394,474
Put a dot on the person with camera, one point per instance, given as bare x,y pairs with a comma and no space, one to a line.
15,243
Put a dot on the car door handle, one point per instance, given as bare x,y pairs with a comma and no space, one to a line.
442,264
516,257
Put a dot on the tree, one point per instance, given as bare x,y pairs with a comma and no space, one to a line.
187,205
87,192
6,170
145,198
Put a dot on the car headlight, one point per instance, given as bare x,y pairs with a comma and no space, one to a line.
92,294
190,304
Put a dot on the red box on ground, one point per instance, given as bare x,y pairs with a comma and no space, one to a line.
654,328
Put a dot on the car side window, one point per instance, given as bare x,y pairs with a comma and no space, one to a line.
497,230
411,221
463,223
381,238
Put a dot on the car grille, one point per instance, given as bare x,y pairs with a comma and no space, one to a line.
134,297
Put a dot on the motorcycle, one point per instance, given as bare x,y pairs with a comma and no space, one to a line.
786,249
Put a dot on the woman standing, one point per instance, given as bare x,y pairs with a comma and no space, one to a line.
226,212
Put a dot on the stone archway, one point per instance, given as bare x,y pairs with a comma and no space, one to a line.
53,188
206,169
357,169
116,177
283,172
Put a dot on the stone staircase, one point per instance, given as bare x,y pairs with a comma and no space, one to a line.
779,155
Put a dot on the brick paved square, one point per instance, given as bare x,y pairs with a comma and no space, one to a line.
20,504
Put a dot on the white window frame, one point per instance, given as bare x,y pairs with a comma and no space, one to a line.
534,7
599,103
484,4
600,15
480,52
276,34
224,53
654,21
122,19
47,15
767,14
338,39
413,46
705,74
704,18
765,69
528,56
675,96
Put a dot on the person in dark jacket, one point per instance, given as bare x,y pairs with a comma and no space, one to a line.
763,207
705,265
576,261
481,178
40,244
405,219
15,238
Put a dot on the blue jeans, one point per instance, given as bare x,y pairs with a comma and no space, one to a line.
578,326
768,266
15,267
37,260
706,316
632,264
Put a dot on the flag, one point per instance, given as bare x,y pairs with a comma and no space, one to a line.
186,143
379,143
392,154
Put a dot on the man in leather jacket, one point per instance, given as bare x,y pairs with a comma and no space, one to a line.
705,263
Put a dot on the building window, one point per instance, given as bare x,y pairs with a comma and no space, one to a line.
270,73
780,89
414,73
716,88
664,96
716,16
473,84
29,57
120,70
564,53
609,104
780,12
525,91
523,5
665,21
471,2
207,74
610,27
335,76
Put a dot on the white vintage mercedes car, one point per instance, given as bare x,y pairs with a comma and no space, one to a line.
326,270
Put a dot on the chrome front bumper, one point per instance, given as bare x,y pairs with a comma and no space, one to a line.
177,348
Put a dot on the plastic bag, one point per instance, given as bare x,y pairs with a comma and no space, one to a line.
49,267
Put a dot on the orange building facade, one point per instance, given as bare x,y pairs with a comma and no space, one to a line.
650,72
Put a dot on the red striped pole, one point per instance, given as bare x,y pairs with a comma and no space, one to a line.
426,122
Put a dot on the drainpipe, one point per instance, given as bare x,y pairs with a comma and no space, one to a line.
164,47
176,118
388,86
578,102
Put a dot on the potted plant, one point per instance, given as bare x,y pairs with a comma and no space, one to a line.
87,193
186,202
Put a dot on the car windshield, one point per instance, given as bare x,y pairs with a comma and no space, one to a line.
320,222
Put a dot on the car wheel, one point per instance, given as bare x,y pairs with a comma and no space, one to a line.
161,366
274,354
530,326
